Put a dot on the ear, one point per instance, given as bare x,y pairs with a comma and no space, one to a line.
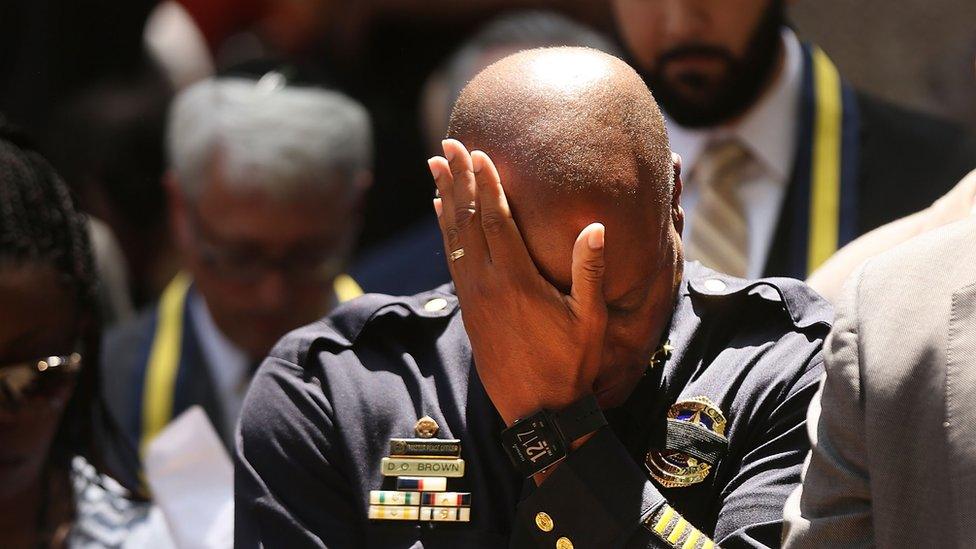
677,212
361,186
364,180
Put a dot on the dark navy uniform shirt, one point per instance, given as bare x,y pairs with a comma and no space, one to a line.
322,408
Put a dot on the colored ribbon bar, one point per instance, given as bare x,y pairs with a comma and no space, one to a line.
391,497
394,512
424,484
446,499
446,514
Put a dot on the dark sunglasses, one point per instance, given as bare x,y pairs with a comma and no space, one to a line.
23,381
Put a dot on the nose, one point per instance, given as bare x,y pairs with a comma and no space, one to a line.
685,20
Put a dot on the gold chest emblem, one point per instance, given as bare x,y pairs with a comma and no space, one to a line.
426,427
675,469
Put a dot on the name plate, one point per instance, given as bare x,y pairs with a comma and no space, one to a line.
446,514
423,484
425,447
392,497
420,467
446,499
394,512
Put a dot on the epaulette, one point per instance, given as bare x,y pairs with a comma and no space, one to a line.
803,306
341,328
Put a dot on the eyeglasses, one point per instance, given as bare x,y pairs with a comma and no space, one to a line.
23,381
304,266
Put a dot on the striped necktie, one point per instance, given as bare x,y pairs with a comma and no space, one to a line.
719,232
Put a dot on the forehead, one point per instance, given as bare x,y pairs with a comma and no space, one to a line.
248,211
41,310
634,239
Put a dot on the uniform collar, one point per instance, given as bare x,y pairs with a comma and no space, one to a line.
803,305
768,130
705,294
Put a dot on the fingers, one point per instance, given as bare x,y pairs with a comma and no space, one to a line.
505,245
457,214
462,175
444,203
588,268
467,217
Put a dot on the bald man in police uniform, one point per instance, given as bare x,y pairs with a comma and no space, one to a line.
578,385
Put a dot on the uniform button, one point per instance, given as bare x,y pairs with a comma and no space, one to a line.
436,304
714,285
544,522
564,543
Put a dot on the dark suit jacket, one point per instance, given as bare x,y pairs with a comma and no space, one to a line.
894,459
907,160
123,361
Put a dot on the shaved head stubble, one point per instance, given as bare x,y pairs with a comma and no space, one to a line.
569,127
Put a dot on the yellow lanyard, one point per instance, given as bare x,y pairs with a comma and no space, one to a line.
825,178
158,390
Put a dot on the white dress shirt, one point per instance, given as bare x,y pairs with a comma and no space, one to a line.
228,364
768,131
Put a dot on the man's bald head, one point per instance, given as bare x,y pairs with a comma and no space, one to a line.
577,138
567,121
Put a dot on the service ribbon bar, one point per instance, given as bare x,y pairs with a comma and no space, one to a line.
446,499
390,497
446,514
394,512
425,447
424,484
420,467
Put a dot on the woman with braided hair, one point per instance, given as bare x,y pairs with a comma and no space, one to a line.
49,334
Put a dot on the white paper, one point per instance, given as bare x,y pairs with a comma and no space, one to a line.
192,481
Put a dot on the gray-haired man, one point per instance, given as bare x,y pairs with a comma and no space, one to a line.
265,184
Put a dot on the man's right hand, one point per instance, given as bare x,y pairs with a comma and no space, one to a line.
534,347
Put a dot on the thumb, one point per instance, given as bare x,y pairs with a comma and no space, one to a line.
588,268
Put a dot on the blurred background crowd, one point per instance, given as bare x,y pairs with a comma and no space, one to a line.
268,155
92,82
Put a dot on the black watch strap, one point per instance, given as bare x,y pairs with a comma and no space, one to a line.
580,418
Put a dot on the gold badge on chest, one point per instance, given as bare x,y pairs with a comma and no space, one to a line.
675,468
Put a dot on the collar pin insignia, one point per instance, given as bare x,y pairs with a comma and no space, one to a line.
661,355
426,427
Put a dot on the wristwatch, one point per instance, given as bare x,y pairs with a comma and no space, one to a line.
541,440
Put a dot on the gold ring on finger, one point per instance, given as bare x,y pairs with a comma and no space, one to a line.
457,254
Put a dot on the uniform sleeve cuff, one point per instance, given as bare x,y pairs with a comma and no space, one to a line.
596,497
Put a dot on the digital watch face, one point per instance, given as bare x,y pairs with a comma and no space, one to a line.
533,444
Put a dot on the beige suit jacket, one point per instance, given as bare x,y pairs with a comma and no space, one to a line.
894,431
